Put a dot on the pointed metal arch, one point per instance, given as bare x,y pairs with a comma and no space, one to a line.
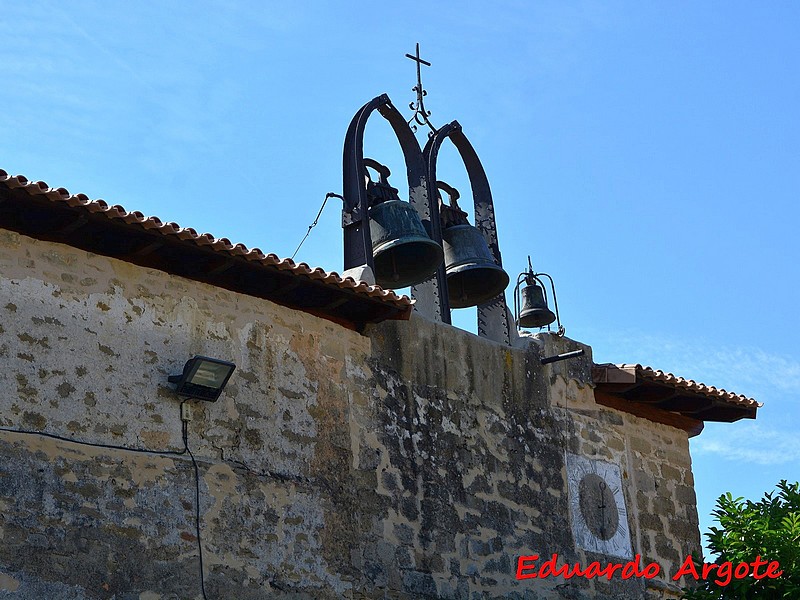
355,212
493,320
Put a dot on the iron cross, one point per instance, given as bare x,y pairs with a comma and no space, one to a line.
418,60
420,114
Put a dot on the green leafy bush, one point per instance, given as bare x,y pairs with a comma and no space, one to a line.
769,529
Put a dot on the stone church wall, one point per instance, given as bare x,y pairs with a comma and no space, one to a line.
416,461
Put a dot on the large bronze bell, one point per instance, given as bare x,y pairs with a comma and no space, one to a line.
473,277
534,311
403,253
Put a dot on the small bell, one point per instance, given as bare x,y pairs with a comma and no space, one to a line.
533,311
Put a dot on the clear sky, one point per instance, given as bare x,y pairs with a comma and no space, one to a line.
644,154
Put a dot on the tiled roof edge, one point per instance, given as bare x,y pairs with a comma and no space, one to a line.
189,235
690,385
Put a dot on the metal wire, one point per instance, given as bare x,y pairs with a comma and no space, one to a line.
186,450
316,220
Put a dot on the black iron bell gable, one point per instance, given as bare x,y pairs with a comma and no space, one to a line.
431,295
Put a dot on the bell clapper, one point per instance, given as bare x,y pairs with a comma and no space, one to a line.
395,274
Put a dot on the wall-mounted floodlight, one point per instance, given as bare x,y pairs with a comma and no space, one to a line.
203,378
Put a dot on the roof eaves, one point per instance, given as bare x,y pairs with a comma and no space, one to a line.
651,374
136,220
654,393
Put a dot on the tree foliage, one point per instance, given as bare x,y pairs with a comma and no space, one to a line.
769,528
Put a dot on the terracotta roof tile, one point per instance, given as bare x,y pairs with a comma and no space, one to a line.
190,236
666,398
689,385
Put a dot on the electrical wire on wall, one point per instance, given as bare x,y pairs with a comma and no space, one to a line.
186,450
185,429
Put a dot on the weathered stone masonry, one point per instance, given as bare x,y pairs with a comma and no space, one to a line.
416,461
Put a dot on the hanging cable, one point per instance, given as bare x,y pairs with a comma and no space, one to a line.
185,432
316,220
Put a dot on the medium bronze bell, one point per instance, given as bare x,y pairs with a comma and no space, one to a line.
402,252
473,277
534,311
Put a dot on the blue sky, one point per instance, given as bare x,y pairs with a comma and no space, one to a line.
644,154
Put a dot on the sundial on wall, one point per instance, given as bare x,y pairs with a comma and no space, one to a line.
597,507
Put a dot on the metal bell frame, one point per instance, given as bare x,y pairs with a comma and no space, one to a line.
530,278
432,295
355,210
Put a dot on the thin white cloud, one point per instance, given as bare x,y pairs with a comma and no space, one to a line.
744,369
770,378
750,443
